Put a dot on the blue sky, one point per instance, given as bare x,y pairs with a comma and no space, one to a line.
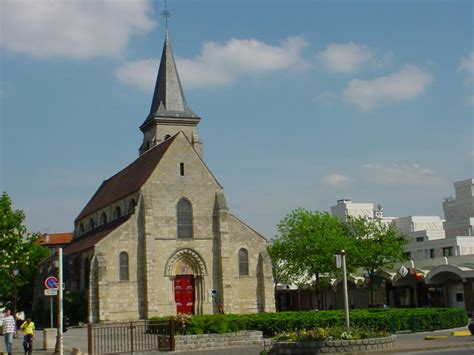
302,102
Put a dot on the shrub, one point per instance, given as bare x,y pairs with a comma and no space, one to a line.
365,320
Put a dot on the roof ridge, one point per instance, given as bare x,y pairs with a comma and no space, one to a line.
127,180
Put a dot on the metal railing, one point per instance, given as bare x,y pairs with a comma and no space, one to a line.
130,337
421,323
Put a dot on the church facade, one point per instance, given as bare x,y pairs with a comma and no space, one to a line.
157,238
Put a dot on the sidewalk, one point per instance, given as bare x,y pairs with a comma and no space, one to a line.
416,341
413,342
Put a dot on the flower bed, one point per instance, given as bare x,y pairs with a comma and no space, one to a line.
335,333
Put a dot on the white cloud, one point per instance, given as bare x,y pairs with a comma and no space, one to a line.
399,174
218,65
336,180
346,58
327,98
140,73
72,29
469,100
467,65
407,84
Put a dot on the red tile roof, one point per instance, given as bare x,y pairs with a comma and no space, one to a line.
91,238
128,180
55,238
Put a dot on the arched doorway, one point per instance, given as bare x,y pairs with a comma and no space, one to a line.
186,270
446,286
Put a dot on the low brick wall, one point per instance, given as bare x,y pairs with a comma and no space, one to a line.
330,346
217,341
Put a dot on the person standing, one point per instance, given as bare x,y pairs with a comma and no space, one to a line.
9,329
28,328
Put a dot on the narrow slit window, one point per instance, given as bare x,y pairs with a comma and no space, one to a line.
181,169
243,262
123,261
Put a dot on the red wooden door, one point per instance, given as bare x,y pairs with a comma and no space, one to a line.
184,293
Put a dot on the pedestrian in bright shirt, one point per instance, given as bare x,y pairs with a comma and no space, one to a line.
9,329
28,328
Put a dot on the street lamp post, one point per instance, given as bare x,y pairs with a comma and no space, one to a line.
15,274
341,263
59,323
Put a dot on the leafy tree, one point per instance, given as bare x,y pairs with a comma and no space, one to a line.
377,246
306,244
19,249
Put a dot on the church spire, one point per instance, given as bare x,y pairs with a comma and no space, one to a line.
168,97
169,112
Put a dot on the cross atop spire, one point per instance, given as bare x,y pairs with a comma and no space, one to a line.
166,15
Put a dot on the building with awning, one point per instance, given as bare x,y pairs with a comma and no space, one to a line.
440,269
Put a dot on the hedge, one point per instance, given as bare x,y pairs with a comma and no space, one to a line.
390,320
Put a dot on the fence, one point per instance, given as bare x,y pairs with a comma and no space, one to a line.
130,337
422,323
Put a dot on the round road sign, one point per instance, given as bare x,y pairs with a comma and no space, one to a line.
51,282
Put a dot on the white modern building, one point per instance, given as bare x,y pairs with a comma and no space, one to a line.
441,252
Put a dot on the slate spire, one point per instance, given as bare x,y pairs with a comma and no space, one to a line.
168,98
169,112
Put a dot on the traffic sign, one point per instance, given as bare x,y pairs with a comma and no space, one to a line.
51,292
51,282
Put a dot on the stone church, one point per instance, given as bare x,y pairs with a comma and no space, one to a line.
157,238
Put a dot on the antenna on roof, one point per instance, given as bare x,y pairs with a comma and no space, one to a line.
166,14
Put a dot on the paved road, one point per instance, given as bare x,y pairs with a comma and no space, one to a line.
442,351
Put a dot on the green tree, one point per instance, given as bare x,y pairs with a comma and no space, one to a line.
376,247
18,249
306,244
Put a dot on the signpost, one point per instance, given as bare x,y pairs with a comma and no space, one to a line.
51,292
51,284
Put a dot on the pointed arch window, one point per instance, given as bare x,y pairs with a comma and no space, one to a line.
243,262
81,229
91,224
103,218
117,212
185,218
131,206
123,261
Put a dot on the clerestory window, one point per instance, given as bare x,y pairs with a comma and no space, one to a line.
103,218
117,212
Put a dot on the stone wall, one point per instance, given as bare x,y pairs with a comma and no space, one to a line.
245,338
330,346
